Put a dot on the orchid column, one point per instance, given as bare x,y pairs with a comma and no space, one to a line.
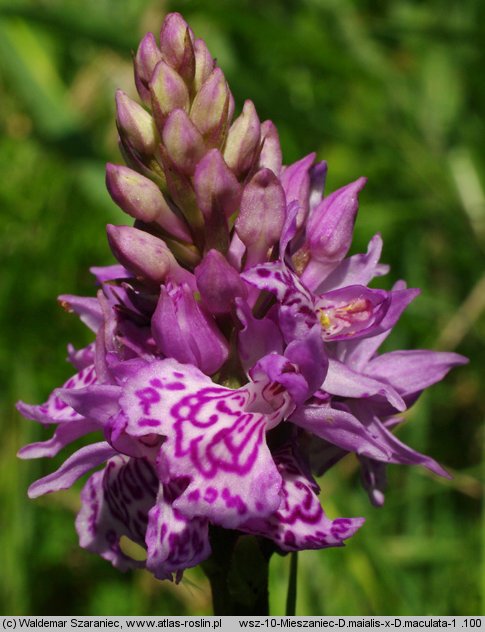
235,347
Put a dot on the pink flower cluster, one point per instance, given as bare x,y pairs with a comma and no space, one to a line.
236,343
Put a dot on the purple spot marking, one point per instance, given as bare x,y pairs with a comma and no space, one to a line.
210,495
223,449
234,501
223,407
89,377
59,404
262,272
153,423
306,311
147,397
175,386
340,526
194,496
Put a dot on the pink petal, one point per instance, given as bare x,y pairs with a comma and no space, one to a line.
174,542
300,522
76,465
210,438
115,503
56,410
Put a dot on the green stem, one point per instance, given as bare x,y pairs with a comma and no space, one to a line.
238,574
291,594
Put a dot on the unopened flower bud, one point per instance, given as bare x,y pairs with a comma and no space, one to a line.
270,156
181,191
183,330
295,180
145,255
183,141
148,167
218,195
168,92
177,45
147,57
262,215
142,199
211,109
135,124
243,140
216,187
204,63
218,283
329,230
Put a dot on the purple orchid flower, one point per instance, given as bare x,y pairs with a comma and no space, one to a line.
236,343
345,313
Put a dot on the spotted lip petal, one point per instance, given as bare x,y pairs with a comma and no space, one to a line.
174,542
300,522
210,438
115,503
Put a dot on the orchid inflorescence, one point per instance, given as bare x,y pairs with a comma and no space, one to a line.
236,343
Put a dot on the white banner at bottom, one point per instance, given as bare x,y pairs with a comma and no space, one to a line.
233,624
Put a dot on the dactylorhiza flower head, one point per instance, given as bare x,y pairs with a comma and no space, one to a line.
236,345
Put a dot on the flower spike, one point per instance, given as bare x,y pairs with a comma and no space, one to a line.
235,345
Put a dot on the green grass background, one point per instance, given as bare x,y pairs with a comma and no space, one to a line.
392,90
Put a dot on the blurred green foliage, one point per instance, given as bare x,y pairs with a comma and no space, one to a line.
392,90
